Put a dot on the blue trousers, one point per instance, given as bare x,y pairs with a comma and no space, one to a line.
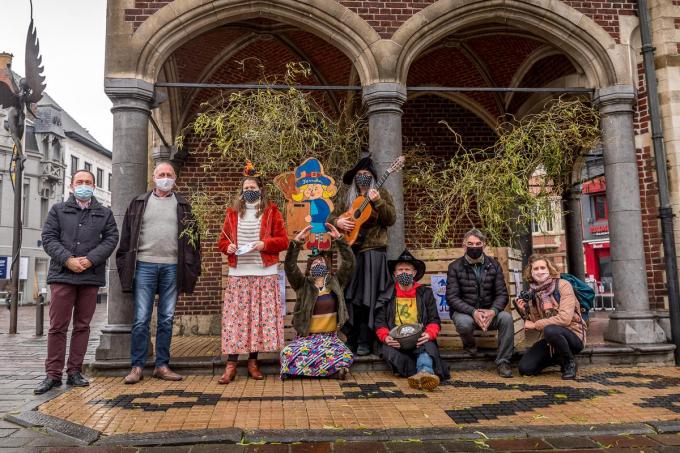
152,279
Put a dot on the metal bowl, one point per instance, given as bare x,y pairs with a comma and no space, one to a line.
407,335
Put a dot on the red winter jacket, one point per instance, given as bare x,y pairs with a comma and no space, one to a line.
272,233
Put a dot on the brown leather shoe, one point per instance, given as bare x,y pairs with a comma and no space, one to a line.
254,370
166,374
229,373
134,376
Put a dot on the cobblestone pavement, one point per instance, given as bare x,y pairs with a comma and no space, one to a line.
585,444
372,400
477,408
22,367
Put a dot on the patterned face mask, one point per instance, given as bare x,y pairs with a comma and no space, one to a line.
318,270
363,180
405,279
251,196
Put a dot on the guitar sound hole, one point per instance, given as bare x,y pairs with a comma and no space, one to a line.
357,214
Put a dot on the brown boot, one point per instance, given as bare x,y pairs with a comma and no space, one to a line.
166,374
254,370
135,375
229,373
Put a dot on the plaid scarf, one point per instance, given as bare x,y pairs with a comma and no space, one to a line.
546,303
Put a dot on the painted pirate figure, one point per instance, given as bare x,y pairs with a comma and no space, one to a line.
315,188
408,302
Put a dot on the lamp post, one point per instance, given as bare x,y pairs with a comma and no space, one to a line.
17,99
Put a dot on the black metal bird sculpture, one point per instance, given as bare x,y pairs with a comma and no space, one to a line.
30,90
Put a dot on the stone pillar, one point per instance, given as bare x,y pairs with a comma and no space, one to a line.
573,232
632,322
131,100
383,103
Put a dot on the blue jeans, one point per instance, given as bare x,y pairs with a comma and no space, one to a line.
424,363
152,279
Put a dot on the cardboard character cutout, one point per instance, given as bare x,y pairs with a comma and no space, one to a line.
309,201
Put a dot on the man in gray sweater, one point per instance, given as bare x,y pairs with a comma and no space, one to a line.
154,257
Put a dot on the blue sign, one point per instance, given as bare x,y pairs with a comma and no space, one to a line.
4,267
438,284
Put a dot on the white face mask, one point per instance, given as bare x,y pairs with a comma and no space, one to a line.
540,276
164,184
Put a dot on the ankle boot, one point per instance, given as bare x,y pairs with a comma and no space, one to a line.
569,371
254,370
229,373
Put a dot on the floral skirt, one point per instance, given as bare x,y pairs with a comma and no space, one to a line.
251,317
319,354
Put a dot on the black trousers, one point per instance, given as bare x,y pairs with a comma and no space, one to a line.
564,345
360,333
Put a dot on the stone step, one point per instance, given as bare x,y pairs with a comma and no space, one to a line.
594,355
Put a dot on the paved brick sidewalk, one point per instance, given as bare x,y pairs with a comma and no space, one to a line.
612,409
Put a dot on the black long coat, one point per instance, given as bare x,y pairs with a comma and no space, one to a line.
404,362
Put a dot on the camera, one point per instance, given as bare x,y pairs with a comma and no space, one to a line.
527,295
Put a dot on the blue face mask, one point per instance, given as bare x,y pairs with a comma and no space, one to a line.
83,192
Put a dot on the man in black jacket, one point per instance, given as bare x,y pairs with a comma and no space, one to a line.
477,297
79,235
159,253
403,303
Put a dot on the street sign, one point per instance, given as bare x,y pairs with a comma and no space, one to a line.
6,268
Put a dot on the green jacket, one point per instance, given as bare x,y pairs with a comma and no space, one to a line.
306,291
384,215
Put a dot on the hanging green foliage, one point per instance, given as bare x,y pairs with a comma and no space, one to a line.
274,129
490,188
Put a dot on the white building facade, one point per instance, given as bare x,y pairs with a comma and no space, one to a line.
53,141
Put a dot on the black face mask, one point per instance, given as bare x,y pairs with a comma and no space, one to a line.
251,196
318,270
474,252
363,180
405,279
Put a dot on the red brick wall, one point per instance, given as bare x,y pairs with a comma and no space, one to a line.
649,202
142,10
421,127
542,73
207,297
386,16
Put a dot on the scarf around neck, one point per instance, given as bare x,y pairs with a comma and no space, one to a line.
544,293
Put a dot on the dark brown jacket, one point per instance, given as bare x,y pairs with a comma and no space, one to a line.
375,229
306,291
188,256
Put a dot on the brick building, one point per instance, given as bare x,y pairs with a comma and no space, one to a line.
385,47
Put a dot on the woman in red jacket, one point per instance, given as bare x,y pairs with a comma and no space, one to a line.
252,237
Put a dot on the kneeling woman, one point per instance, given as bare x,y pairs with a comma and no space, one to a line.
408,302
319,311
556,313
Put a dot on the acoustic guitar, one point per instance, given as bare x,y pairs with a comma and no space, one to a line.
361,209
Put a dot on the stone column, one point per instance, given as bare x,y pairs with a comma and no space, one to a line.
573,232
383,103
131,100
632,322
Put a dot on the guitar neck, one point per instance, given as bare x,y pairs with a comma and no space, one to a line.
378,185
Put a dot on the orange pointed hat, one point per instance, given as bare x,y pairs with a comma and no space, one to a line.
250,171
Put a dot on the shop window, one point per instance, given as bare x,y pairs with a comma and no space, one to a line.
600,209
